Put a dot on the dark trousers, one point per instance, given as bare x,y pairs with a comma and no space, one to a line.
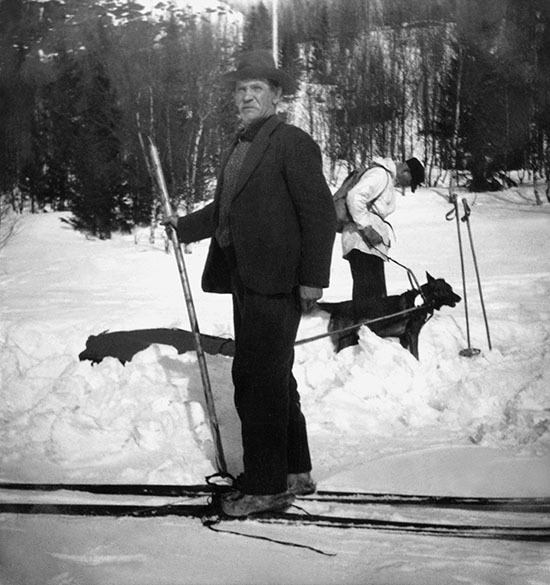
369,281
273,427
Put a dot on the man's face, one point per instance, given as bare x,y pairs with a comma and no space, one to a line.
256,99
403,175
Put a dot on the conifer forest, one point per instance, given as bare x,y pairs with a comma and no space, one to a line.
464,85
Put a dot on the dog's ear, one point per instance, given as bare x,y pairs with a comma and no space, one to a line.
429,277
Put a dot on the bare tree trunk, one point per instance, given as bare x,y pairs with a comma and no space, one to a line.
170,156
194,161
547,169
535,190
153,211
456,125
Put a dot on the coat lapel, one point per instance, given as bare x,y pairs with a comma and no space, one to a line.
223,162
256,152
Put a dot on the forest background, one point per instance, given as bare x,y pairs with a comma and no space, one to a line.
464,85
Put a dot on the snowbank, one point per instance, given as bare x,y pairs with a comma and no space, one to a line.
63,419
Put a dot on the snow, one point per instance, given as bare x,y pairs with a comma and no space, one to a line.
378,419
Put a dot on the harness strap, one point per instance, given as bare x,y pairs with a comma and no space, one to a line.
360,323
370,204
412,278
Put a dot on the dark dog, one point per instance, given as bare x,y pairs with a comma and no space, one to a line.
436,294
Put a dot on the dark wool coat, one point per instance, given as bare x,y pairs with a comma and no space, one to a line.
282,216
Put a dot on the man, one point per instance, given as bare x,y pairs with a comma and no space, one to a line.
367,239
272,224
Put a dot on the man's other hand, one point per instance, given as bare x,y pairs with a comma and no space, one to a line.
308,296
170,221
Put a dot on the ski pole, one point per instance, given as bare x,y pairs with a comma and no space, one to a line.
163,191
466,219
469,351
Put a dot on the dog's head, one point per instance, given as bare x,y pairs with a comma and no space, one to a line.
439,293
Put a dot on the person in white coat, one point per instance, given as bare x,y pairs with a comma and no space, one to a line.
366,240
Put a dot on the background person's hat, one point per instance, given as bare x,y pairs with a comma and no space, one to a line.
417,172
260,64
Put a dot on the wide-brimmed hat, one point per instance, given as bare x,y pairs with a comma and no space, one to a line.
417,172
259,64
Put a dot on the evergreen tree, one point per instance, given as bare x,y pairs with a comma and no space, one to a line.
257,33
494,57
95,152
462,81
19,27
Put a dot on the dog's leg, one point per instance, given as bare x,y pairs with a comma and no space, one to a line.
341,340
413,345
341,316
409,339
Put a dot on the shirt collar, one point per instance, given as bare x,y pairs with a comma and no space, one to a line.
248,133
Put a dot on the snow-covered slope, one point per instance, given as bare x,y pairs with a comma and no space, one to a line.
378,419
66,419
